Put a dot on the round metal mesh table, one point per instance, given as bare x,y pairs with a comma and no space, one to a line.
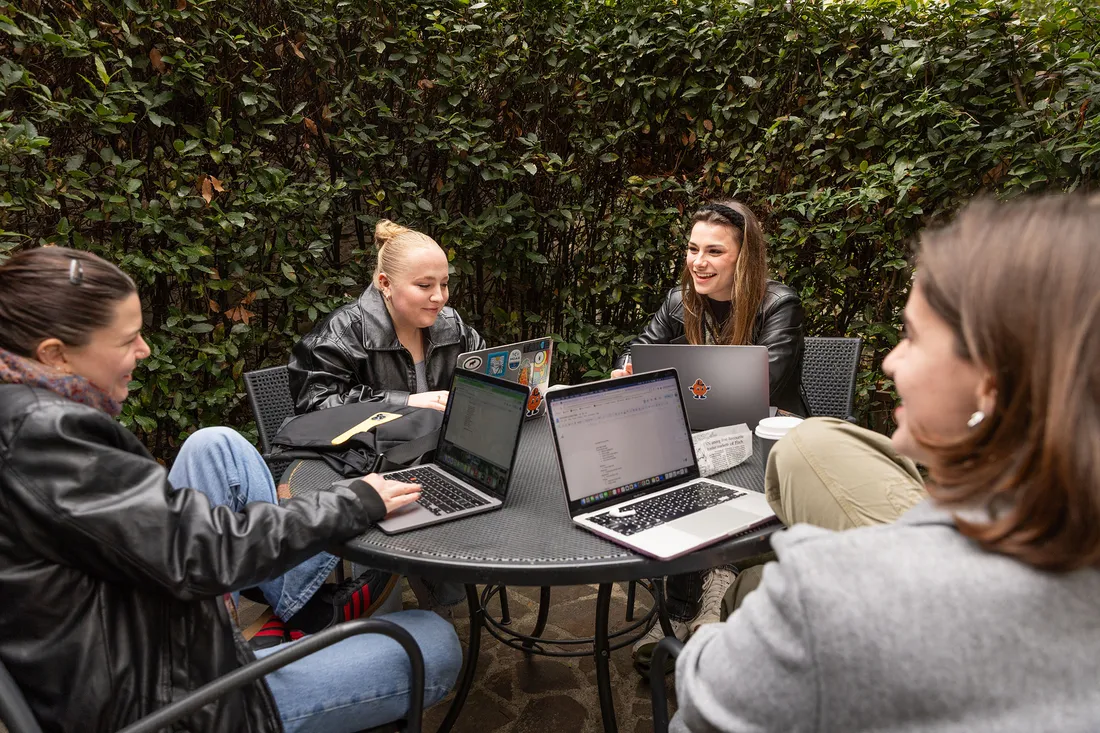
531,540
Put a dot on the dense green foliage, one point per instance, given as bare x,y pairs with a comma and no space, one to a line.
233,156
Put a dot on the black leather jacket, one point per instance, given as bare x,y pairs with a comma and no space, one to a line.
112,583
778,326
354,356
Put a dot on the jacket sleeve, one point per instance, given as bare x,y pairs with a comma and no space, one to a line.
666,326
754,672
82,497
322,374
781,332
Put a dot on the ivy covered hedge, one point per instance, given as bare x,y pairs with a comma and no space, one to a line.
233,156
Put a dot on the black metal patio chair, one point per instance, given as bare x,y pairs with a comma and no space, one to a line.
271,402
669,646
829,366
16,714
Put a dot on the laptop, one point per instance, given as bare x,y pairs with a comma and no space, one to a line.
473,459
524,362
628,466
723,385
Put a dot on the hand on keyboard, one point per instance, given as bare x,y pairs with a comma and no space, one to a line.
439,495
394,494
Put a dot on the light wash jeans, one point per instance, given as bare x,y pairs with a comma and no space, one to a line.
220,463
361,682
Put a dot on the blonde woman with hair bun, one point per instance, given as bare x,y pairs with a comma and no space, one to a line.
398,342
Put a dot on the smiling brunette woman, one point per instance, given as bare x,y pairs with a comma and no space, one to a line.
399,342
725,297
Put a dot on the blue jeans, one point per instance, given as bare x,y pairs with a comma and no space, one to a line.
220,463
361,682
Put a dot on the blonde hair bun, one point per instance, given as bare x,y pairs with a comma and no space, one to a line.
385,230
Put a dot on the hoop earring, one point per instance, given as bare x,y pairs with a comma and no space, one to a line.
975,419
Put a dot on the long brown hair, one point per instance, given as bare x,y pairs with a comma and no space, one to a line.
1019,284
55,292
750,279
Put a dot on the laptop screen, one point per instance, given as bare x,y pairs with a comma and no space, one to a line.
481,430
623,436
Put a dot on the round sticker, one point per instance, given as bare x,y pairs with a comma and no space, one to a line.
540,357
513,359
473,363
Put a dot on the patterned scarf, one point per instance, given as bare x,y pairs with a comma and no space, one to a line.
17,370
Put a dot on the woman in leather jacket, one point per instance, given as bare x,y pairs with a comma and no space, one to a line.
399,342
115,575
725,297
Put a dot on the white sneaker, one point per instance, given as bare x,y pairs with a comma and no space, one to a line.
643,648
715,586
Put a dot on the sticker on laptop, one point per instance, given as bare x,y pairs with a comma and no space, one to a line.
540,357
699,389
497,361
513,359
534,402
473,363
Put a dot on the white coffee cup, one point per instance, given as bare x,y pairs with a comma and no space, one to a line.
771,429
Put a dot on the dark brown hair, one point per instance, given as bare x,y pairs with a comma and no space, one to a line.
1019,284
43,294
750,279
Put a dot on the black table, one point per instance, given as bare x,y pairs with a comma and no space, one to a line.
531,541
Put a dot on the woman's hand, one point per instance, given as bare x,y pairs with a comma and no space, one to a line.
434,400
394,493
627,370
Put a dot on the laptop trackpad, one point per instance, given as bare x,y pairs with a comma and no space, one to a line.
715,522
407,516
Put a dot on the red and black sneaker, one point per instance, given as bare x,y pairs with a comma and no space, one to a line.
273,633
355,598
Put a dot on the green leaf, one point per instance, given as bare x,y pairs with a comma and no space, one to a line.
102,71
609,157
200,328
159,120
8,26
288,271
531,168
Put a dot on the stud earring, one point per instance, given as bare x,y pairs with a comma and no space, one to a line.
975,419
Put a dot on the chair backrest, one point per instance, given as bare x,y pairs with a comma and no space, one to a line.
829,366
15,714
269,395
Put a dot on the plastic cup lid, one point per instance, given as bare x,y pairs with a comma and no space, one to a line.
774,428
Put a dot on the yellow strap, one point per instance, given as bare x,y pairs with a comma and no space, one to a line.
378,418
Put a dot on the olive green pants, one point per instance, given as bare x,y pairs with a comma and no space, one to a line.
831,474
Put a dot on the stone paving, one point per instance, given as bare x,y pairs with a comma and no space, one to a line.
514,693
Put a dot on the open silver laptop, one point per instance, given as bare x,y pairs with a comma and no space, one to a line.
722,385
524,362
473,459
629,470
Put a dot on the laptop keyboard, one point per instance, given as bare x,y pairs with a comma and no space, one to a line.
667,507
437,494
